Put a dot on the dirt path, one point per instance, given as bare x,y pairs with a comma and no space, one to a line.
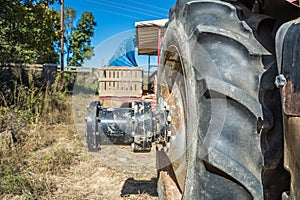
55,163
113,173
69,171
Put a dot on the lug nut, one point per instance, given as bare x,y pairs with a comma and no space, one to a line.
169,133
280,81
167,107
169,118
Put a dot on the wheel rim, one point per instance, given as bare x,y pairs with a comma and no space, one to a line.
172,98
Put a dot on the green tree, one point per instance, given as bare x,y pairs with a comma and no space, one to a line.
28,32
70,18
78,36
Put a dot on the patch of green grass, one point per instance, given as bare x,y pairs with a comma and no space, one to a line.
15,180
61,159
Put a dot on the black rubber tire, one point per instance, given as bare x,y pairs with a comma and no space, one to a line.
222,65
92,140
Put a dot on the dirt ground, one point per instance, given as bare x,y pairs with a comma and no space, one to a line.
113,173
71,172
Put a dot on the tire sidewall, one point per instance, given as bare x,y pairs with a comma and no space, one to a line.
176,36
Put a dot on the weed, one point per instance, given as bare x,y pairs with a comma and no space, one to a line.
60,160
18,183
27,106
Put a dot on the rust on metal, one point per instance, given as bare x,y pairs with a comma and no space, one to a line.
176,113
170,188
291,109
290,100
292,154
164,91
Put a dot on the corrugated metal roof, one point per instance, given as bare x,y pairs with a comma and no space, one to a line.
147,35
159,23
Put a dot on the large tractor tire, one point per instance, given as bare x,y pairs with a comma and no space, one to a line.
209,83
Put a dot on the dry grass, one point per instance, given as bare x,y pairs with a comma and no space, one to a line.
43,157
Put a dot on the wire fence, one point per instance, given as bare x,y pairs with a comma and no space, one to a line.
41,67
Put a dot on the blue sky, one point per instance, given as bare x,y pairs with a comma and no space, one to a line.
115,16
116,19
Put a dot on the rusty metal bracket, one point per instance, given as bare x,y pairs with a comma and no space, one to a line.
290,100
288,39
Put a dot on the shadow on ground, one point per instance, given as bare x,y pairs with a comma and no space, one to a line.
134,187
